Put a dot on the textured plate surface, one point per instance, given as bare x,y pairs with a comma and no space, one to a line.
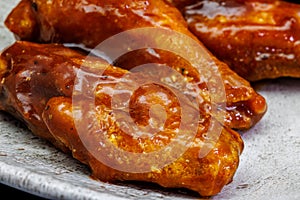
269,167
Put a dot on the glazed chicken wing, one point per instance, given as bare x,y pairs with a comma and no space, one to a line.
39,85
91,22
258,39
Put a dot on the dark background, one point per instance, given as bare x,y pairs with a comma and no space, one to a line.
10,193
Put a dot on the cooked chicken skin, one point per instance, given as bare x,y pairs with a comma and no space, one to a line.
90,22
258,39
38,84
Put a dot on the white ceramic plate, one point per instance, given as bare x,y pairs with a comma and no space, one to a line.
269,167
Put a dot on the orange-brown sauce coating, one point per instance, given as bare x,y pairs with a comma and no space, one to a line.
91,22
258,39
36,87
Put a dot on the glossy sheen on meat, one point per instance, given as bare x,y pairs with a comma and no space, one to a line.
37,87
258,39
90,22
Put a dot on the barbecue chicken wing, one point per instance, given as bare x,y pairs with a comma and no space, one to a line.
38,84
90,22
258,39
